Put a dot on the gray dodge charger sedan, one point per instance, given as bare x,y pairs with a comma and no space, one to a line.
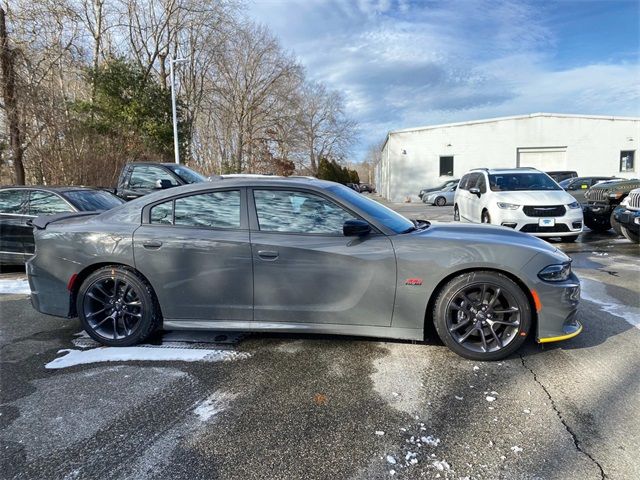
298,255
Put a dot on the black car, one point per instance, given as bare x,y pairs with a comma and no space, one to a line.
20,204
140,178
367,187
578,186
561,175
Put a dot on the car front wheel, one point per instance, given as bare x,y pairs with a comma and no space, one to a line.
630,234
456,214
485,217
482,315
117,307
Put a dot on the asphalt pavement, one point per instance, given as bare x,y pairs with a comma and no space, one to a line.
263,406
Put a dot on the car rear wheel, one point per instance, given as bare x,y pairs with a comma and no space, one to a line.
630,235
441,201
117,307
482,315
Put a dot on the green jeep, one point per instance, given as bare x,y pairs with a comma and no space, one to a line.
602,199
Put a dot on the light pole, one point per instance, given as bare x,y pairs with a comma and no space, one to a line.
176,148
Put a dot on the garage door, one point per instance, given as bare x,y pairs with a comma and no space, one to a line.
543,158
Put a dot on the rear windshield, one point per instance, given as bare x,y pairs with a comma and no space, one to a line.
93,200
510,182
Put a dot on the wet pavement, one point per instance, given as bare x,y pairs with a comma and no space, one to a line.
307,407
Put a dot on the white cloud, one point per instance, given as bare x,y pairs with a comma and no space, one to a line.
401,64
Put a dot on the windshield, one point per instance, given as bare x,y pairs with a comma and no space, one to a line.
93,200
384,215
187,174
565,183
511,182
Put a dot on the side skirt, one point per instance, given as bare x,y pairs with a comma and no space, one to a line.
330,329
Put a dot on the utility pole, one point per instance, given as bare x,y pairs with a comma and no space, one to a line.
7,64
176,145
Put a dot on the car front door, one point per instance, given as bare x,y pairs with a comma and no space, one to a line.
14,231
195,251
144,179
307,271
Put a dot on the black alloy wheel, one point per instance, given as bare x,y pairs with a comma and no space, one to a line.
117,307
482,315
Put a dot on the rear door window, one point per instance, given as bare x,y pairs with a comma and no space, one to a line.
47,203
207,210
13,202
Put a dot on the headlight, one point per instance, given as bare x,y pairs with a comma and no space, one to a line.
508,206
625,202
555,273
615,195
574,205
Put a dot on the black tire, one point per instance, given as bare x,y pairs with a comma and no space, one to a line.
456,214
441,201
485,217
597,224
569,239
480,288
615,225
630,234
130,310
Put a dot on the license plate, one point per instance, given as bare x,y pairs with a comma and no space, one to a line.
547,222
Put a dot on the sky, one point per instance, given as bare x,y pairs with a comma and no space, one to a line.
402,63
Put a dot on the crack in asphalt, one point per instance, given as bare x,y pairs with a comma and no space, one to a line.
574,437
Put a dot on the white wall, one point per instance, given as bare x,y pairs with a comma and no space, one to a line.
590,146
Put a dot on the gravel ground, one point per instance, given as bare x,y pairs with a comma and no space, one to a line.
294,406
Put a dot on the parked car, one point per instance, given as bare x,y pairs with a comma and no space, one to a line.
578,186
19,205
440,187
602,199
297,255
524,199
367,187
628,216
353,186
141,178
561,175
442,197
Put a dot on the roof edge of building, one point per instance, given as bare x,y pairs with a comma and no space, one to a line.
512,117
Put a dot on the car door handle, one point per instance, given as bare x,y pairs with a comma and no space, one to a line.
268,254
152,244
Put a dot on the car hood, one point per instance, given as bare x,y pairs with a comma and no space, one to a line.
471,234
535,197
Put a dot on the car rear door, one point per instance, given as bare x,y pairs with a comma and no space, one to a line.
307,271
14,231
195,251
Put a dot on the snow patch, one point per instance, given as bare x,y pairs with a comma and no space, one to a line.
213,404
431,441
15,286
391,460
441,465
490,398
127,354
595,292
516,449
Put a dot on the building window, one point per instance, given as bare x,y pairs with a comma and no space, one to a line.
446,166
627,158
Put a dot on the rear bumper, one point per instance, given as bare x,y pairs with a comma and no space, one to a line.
49,295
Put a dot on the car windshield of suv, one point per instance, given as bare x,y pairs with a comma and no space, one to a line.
384,215
186,174
93,200
511,182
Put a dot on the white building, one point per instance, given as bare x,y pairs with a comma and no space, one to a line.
415,158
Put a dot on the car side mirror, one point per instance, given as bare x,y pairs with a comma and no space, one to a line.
475,191
355,228
163,184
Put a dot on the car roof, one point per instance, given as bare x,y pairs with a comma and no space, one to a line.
492,171
50,188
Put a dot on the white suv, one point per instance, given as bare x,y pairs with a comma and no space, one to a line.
524,199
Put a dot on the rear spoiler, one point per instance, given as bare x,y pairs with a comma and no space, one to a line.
41,222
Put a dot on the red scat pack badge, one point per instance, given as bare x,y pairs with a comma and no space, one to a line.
416,282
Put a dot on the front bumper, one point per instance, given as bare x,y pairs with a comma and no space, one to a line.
628,218
558,309
571,223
